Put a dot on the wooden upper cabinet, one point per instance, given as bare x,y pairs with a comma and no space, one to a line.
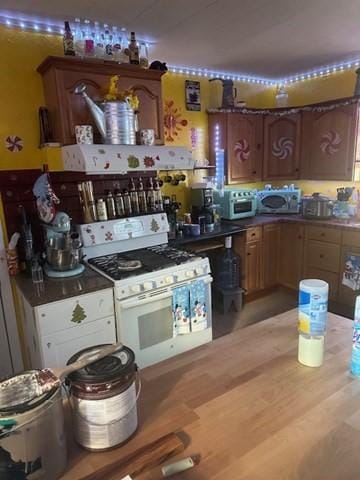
217,134
61,75
329,140
244,147
282,147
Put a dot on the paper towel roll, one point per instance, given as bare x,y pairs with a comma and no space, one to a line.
311,350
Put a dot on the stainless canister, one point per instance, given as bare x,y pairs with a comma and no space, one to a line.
119,123
32,439
317,206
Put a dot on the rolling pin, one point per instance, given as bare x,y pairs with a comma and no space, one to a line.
141,460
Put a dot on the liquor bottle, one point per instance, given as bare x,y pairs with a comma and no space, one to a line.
158,197
108,54
150,197
99,41
134,198
119,204
133,50
68,41
89,46
101,210
142,197
78,38
110,205
127,203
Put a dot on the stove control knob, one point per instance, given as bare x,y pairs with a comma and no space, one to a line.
169,279
189,273
148,285
199,270
135,288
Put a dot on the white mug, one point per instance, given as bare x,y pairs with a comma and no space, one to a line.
84,134
147,136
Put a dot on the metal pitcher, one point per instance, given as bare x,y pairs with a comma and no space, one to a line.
116,121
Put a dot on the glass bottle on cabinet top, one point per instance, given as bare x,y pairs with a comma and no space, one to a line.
68,40
78,38
133,50
108,43
89,47
99,41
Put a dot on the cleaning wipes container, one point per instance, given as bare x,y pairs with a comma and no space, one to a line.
313,308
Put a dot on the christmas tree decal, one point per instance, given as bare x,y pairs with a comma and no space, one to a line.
78,314
154,226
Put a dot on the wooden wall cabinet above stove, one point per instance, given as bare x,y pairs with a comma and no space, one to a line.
310,145
61,75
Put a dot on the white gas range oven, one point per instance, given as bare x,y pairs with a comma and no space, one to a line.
162,294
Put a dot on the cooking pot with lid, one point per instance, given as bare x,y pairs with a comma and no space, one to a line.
317,206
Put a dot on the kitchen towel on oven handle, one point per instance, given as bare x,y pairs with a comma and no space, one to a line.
198,306
181,310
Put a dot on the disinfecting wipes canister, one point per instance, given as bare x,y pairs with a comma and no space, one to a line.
313,306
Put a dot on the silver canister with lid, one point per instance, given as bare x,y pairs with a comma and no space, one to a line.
317,206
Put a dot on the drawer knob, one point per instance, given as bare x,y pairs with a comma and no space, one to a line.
321,255
48,344
322,234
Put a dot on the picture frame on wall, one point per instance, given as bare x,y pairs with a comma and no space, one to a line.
192,95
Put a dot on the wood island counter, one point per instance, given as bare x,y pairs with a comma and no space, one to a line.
250,409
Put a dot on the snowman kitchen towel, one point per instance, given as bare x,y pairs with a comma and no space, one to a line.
198,307
181,310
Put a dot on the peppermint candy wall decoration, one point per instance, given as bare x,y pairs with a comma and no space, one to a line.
242,150
282,148
330,142
14,143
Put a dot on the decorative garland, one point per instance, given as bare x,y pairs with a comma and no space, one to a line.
284,112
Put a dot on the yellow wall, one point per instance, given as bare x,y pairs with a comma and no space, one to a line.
21,95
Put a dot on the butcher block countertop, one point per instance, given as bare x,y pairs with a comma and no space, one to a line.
250,409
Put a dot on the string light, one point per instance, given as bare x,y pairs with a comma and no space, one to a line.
56,29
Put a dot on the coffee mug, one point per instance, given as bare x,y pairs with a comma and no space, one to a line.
147,136
84,134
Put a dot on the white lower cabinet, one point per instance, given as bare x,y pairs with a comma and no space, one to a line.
60,346
55,331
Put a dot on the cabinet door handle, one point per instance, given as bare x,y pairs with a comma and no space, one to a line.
248,254
254,172
321,255
322,234
48,344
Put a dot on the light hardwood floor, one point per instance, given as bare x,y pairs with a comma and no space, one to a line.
250,409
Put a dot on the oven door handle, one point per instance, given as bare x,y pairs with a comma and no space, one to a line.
136,301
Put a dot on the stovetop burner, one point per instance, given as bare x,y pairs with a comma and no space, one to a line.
119,266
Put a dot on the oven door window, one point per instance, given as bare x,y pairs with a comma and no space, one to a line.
155,327
242,207
274,201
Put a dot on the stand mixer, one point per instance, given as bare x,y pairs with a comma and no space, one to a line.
62,248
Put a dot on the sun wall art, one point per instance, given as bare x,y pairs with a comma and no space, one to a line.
173,121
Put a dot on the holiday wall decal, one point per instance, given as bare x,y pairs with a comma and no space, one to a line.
330,142
282,148
242,150
14,143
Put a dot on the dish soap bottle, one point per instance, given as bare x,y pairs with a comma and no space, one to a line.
355,355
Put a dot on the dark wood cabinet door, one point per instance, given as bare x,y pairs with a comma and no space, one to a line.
271,249
217,134
329,140
253,267
281,147
244,147
291,255
61,75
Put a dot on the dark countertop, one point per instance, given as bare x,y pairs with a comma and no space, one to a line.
232,227
54,289
226,228
349,224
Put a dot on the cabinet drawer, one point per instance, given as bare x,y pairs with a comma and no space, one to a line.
324,234
352,238
330,277
253,234
74,311
322,255
59,347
